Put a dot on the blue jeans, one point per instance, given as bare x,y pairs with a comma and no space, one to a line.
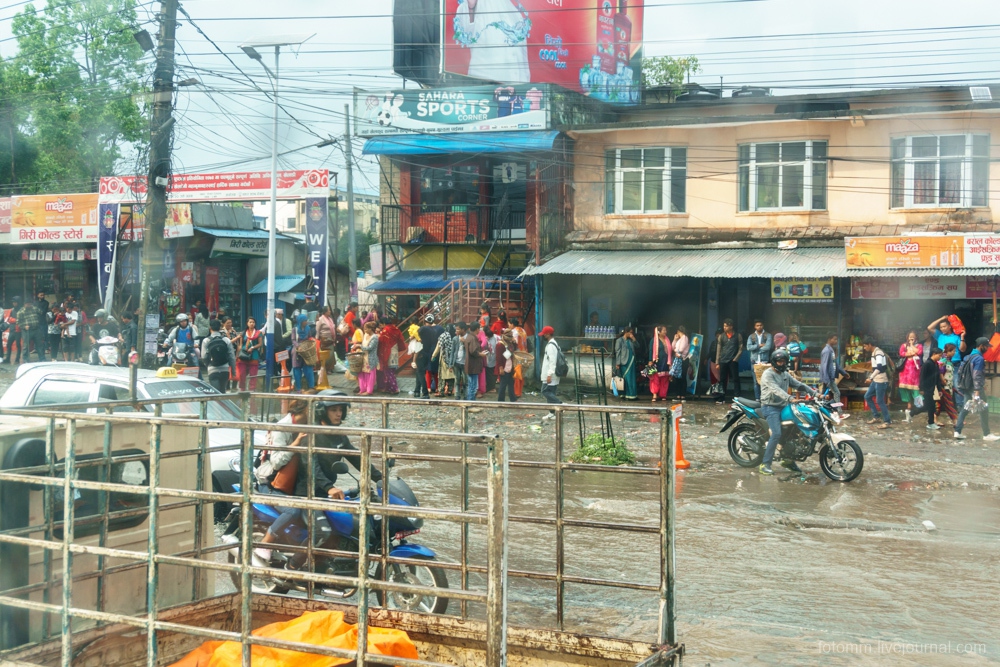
756,388
307,372
472,386
773,416
877,391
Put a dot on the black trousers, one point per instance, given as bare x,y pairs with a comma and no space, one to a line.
730,369
930,406
13,339
219,380
421,388
505,383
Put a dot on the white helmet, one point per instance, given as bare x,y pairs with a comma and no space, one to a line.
181,317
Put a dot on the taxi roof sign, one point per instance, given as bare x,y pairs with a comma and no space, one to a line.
166,372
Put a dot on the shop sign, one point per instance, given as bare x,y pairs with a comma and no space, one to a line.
212,288
255,247
923,287
54,218
472,109
317,242
888,252
231,186
594,48
4,215
178,223
982,250
812,290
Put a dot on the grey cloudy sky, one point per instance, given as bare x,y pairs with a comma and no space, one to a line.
224,124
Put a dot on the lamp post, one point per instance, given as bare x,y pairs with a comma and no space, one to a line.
250,48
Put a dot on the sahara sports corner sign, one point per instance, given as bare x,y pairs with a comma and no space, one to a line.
472,109
592,47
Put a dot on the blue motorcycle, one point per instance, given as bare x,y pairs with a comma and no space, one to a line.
806,427
338,531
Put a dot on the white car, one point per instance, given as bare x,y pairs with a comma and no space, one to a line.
63,383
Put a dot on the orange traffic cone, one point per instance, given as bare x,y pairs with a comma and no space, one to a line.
680,463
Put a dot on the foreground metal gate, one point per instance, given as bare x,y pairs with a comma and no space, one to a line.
475,454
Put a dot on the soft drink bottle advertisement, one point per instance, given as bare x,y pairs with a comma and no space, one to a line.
591,46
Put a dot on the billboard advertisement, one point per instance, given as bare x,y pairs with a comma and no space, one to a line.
811,290
591,46
887,252
232,186
473,109
54,218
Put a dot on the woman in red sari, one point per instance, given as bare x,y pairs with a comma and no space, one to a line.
390,340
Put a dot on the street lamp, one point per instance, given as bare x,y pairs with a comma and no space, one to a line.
250,48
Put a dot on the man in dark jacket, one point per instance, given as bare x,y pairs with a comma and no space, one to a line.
930,380
978,366
33,330
730,349
473,360
428,334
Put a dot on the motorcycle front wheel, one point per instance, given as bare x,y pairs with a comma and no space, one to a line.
746,445
257,583
841,461
421,575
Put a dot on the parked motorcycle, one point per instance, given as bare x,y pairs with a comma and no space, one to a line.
105,352
336,530
806,426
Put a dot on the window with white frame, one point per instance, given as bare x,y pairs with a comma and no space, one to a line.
645,180
783,176
950,170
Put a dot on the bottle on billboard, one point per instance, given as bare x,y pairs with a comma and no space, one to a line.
623,34
606,36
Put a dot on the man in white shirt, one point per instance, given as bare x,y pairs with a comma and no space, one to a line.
69,339
550,381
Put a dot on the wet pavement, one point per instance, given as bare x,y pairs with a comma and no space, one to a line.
791,569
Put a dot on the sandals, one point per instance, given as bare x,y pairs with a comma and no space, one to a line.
872,421
882,426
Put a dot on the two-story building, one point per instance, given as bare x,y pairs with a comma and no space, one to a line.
692,212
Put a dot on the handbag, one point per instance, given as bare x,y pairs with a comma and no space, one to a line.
676,367
284,480
918,402
617,384
717,389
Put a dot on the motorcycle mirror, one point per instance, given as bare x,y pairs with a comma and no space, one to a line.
340,468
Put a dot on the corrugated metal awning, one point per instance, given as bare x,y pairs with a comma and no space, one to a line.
281,284
700,263
920,273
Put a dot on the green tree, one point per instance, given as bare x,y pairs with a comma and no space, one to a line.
17,151
81,74
362,240
668,72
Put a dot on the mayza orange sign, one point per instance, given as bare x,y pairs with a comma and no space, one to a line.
53,218
886,252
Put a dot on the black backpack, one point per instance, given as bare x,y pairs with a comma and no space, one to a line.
966,382
217,351
562,368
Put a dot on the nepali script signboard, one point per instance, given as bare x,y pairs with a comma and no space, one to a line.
231,186
54,218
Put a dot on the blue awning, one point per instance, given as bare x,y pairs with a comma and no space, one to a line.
281,284
241,233
406,282
468,142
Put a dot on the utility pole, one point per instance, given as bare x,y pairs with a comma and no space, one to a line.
159,163
351,247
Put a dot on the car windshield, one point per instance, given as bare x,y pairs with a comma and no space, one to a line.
219,410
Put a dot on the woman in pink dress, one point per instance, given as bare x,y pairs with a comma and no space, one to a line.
910,354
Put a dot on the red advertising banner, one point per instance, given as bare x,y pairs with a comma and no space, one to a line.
233,186
4,215
212,288
590,46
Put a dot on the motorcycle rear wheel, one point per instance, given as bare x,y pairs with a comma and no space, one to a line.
746,445
258,584
426,575
841,461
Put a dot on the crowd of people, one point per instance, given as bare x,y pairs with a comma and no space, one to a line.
60,331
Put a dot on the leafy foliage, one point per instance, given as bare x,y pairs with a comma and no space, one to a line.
668,72
596,449
71,92
362,239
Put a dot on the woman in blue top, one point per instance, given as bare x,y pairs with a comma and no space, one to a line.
944,334
300,369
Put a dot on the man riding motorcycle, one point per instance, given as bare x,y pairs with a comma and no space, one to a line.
182,334
774,384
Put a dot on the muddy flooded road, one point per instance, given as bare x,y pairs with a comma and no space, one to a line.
900,567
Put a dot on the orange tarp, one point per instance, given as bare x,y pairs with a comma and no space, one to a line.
320,628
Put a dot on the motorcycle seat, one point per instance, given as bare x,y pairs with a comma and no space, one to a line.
747,402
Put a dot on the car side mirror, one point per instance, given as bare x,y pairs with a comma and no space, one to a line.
340,468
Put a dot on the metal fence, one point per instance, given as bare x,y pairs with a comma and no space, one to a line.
499,468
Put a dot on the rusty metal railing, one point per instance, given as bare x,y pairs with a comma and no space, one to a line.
500,467
64,478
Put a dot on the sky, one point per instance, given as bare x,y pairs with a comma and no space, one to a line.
224,121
